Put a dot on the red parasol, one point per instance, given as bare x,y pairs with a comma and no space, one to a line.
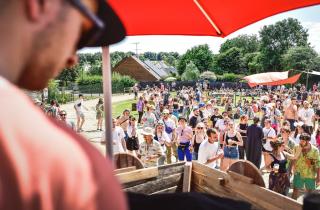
197,17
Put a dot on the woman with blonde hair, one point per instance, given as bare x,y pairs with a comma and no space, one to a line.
198,137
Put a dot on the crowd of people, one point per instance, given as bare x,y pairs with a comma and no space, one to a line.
278,131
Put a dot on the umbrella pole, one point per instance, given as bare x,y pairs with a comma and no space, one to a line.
107,92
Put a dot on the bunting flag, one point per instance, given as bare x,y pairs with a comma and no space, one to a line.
272,79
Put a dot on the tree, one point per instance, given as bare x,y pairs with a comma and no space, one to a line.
69,74
208,75
276,39
200,55
191,72
230,61
247,43
298,58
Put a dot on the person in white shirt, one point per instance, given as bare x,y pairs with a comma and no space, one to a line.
269,135
119,144
209,151
78,106
306,115
170,129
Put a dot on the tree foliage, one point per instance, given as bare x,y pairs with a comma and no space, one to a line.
276,39
246,43
191,72
299,58
230,60
200,55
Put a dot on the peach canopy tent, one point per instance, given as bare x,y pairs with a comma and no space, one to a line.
187,17
272,79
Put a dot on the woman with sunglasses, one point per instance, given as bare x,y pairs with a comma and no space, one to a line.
231,140
198,137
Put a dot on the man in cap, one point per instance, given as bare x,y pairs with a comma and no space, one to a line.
150,150
45,165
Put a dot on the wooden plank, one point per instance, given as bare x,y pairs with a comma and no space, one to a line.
170,169
138,175
164,171
168,190
187,177
157,185
258,196
123,170
240,177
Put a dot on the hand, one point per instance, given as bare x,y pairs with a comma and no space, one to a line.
220,155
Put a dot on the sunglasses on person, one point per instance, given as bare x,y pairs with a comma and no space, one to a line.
90,32
200,128
63,115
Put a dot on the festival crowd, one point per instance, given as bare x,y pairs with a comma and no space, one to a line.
277,130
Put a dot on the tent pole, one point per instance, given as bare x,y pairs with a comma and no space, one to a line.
107,92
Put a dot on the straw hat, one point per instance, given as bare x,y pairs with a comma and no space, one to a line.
147,131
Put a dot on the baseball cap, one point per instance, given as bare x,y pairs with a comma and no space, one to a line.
202,105
112,32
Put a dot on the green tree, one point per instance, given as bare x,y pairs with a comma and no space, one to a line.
208,75
230,60
191,72
69,74
298,58
276,39
200,55
247,43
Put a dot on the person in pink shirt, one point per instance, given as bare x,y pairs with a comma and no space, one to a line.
184,135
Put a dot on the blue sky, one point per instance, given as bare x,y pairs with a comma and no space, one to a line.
309,18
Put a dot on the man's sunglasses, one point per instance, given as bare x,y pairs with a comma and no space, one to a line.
88,37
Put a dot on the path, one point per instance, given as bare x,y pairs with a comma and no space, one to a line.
90,125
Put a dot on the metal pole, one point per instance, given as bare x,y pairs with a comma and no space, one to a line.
107,92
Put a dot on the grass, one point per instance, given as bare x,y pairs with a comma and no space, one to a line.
117,108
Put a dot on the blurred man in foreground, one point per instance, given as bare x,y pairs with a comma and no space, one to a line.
45,165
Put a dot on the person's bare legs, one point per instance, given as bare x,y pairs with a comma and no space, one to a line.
82,122
295,193
78,122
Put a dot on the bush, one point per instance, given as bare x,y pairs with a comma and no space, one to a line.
209,75
93,84
229,77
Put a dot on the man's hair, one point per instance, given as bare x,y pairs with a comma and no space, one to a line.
305,136
268,120
256,120
80,95
211,131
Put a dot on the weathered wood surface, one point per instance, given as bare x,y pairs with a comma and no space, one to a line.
248,169
169,179
187,177
205,179
123,170
125,160
138,175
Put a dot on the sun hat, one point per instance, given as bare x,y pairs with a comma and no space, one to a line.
147,131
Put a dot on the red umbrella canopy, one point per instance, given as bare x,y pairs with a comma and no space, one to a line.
198,17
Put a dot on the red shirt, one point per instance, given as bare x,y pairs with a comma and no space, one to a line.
44,165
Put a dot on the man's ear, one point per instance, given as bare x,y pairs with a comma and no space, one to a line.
33,8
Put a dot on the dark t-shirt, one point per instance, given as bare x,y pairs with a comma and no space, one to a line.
215,118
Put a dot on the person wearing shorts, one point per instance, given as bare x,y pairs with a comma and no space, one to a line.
307,168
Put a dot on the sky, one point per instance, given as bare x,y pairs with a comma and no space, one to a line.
309,18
